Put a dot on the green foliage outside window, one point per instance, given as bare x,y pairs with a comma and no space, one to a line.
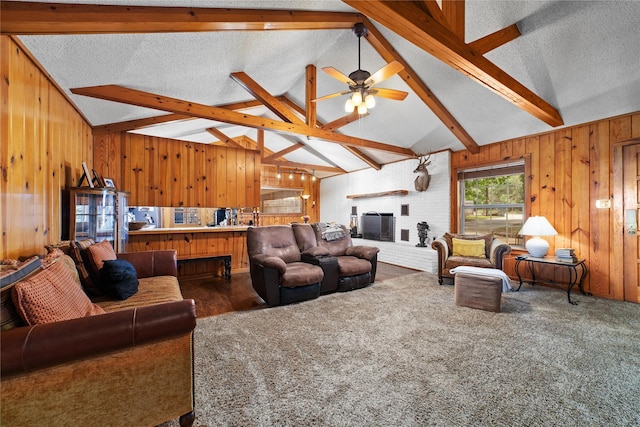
494,205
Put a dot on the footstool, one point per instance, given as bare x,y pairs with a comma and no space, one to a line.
478,291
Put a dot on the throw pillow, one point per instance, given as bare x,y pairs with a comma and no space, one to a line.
98,253
488,239
119,278
469,248
51,296
76,253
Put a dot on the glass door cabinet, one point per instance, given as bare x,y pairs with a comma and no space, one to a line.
96,213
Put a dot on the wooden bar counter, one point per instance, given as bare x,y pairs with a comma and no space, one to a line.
196,242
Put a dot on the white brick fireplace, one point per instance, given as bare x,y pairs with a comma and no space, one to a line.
431,206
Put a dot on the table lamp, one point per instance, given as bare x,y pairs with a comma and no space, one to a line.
537,226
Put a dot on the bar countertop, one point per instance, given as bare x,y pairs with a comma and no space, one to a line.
173,230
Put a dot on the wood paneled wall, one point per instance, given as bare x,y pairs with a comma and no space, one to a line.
44,141
165,172
569,170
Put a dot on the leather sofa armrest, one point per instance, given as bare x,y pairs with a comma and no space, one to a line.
35,347
497,252
364,252
317,251
153,263
440,245
270,262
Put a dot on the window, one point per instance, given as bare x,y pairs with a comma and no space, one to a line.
493,201
186,216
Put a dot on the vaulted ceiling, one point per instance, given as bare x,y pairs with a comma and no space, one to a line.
476,72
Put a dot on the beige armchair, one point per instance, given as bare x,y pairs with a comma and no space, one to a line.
494,252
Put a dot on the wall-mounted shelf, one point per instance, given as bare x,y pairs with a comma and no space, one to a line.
381,194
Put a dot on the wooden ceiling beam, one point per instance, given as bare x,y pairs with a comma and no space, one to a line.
343,121
291,104
165,118
453,11
309,94
491,41
433,8
224,138
281,153
408,21
18,17
413,80
261,94
368,160
260,142
150,100
288,164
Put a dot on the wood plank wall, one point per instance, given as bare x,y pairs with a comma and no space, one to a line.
165,172
44,141
570,169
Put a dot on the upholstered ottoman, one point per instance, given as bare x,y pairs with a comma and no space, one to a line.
478,291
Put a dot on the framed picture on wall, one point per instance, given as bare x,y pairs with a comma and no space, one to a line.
108,182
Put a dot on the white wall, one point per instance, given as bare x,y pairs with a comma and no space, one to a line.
431,206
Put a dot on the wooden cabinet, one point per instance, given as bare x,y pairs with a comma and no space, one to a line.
96,213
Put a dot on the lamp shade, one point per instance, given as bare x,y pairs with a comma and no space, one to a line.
537,226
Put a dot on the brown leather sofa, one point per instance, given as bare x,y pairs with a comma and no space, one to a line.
495,251
346,267
132,365
278,274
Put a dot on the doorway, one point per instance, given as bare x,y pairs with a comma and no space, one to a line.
627,167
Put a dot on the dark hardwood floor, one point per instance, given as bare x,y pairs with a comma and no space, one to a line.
216,295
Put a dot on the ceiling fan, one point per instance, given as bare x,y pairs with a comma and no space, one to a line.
361,82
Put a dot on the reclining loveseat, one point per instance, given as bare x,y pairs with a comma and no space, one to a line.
294,263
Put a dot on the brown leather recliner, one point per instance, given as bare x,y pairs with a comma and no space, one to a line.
278,274
495,251
356,265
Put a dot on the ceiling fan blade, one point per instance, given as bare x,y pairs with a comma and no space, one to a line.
338,76
396,95
384,73
332,95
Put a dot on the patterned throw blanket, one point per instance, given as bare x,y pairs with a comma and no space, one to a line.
330,232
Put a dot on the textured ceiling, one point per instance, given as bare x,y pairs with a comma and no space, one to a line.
582,57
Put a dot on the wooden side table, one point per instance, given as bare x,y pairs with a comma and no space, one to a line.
571,266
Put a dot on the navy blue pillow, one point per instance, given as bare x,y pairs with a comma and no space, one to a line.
119,278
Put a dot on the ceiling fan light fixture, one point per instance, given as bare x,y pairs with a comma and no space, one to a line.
362,109
348,106
369,101
356,98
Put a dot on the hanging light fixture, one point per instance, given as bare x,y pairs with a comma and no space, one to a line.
356,98
369,101
313,175
278,175
361,82
349,107
302,176
290,175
